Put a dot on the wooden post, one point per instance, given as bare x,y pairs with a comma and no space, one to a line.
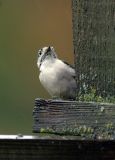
94,46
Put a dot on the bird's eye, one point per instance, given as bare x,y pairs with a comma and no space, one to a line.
39,52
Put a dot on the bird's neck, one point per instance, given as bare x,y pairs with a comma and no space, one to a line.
47,63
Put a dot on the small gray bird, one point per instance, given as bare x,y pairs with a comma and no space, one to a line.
57,77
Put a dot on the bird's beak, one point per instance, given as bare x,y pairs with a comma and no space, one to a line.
49,49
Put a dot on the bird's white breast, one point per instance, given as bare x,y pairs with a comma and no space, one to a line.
49,76
56,77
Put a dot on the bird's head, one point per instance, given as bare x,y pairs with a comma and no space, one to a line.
45,53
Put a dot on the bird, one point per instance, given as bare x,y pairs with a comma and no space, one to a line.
56,76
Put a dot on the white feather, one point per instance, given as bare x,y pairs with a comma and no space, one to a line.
57,77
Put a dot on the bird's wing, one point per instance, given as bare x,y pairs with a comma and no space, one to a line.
69,64
71,69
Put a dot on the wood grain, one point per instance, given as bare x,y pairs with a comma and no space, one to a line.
89,119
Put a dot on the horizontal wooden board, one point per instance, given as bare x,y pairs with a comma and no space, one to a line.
85,119
19,147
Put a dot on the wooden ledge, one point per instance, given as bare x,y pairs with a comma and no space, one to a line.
88,120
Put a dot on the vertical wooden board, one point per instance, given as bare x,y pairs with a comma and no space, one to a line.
94,46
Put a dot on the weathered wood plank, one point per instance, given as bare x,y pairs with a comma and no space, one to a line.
85,119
